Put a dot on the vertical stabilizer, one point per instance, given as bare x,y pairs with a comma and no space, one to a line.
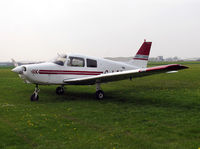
141,58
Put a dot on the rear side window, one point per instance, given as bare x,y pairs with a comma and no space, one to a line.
91,63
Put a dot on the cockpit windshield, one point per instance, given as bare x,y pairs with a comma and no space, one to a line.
60,60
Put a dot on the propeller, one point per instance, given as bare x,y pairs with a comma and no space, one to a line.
19,70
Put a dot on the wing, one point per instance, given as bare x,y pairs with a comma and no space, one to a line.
116,76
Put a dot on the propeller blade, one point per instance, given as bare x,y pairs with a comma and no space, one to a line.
14,62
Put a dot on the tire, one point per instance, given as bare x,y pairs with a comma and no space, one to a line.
33,98
99,95
59,90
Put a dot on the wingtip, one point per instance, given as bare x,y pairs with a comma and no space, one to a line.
177,67
183,67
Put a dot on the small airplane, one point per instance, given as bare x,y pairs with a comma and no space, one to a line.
76,69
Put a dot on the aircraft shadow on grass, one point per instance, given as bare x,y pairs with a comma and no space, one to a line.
112,97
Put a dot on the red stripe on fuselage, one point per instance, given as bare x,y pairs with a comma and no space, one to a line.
70,71
63,72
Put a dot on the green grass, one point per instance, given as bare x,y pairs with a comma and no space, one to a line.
154,112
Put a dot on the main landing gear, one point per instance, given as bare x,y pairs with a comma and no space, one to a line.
99,92
34,96
60,90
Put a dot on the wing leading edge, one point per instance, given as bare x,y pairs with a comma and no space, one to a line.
116,76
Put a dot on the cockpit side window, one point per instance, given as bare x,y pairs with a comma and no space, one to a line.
91,63
75,62
61,63
60,60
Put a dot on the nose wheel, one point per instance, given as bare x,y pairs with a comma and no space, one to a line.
99,93
34,96
60,90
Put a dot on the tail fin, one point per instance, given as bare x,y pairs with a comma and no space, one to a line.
141,58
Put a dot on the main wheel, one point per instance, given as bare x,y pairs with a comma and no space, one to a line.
59,90
34,98
99,94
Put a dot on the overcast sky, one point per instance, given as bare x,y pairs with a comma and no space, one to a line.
39,29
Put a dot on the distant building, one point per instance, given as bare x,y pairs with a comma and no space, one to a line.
160,58
173,59
156,59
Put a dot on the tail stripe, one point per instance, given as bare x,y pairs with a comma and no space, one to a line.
141,57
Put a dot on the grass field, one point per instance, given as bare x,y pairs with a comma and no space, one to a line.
154,112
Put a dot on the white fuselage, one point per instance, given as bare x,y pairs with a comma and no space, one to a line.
71,66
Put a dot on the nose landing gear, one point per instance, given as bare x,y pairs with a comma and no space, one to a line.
34,96
60,90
